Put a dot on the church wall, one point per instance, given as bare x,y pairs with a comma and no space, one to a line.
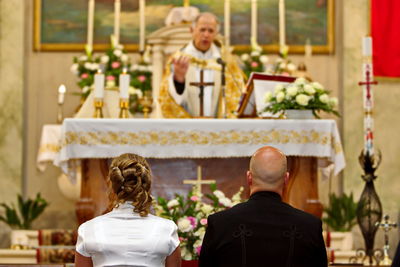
386,95
11,109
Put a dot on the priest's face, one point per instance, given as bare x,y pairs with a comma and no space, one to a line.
204,32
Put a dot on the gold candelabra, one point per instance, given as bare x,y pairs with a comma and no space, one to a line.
124,106
146,101
98,105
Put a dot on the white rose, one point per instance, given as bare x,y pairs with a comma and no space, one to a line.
255,53
184,225
226,202
110,83
83,58
85,89
280,96
300,81
302,99
309,89
117,52
333,101
264,59
317,86
87,65
74,68
292,90
94,66
219,194
104,59
124,58
237,197
324,98
282,65
291,67
172,203
135,91
267,97
278,88
207,209
185,254
244,57
200,233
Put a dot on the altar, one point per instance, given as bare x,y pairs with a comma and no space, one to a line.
175,147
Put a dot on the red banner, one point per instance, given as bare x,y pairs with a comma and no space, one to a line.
385,31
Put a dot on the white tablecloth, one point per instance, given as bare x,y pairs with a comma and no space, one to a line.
197,138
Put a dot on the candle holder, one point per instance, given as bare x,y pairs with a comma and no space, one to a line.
146,101
124,106
98,105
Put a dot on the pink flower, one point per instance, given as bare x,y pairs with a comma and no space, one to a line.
110,78
115,65
203,221
84,75
142,78
194,198
254,64
193,221
198,250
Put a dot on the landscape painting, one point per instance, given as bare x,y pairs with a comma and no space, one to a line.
62,25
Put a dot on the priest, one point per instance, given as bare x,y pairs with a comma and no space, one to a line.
193,84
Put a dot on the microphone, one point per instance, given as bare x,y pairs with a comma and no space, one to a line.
220,61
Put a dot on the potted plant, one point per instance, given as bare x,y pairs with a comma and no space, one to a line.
340,217
301,95
20,219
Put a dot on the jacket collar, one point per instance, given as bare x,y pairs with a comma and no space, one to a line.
266,194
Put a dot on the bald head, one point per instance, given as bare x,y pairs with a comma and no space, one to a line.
268,170
204,30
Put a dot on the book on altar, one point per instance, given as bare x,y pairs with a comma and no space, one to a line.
251,102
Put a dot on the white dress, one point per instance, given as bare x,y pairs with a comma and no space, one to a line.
124,238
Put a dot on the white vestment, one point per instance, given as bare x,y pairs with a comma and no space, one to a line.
123,237
189,99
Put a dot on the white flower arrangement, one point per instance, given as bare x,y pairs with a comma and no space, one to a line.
190,214
301,94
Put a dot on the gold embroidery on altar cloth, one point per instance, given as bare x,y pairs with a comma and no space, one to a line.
171,138
45,148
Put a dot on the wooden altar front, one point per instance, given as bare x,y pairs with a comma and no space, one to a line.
174,149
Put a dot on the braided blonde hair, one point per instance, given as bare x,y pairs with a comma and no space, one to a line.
130,180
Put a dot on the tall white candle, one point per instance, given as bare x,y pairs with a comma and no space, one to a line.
124,80
61,92
90,25
99,85
282,30
142,34
367,46
254,20
117,14
227,22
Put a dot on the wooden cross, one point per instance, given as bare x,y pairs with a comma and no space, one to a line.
198,182
201,85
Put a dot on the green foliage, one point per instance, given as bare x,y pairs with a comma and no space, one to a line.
341,215
25,213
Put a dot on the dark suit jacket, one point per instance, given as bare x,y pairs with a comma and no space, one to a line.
396,260
264,231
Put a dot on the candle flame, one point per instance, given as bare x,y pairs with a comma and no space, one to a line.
62,89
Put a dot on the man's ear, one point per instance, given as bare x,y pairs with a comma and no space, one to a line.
249,178
286,179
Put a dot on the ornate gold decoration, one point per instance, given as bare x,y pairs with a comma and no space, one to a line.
123,105
98,105
146,101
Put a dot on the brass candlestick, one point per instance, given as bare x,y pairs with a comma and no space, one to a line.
98,105
123,105
146,101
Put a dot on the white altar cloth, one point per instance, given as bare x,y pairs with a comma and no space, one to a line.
197,138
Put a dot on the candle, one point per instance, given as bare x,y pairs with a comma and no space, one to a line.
254,20
142,12
61,92
124,80
282,41
227,22
99,85
367,46
90,26
117,12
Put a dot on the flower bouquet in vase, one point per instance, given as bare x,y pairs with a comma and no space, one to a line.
190,214
255,61
301,95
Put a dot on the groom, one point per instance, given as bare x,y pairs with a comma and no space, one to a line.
264,231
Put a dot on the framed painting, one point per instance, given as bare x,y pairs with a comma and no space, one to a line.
61,25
